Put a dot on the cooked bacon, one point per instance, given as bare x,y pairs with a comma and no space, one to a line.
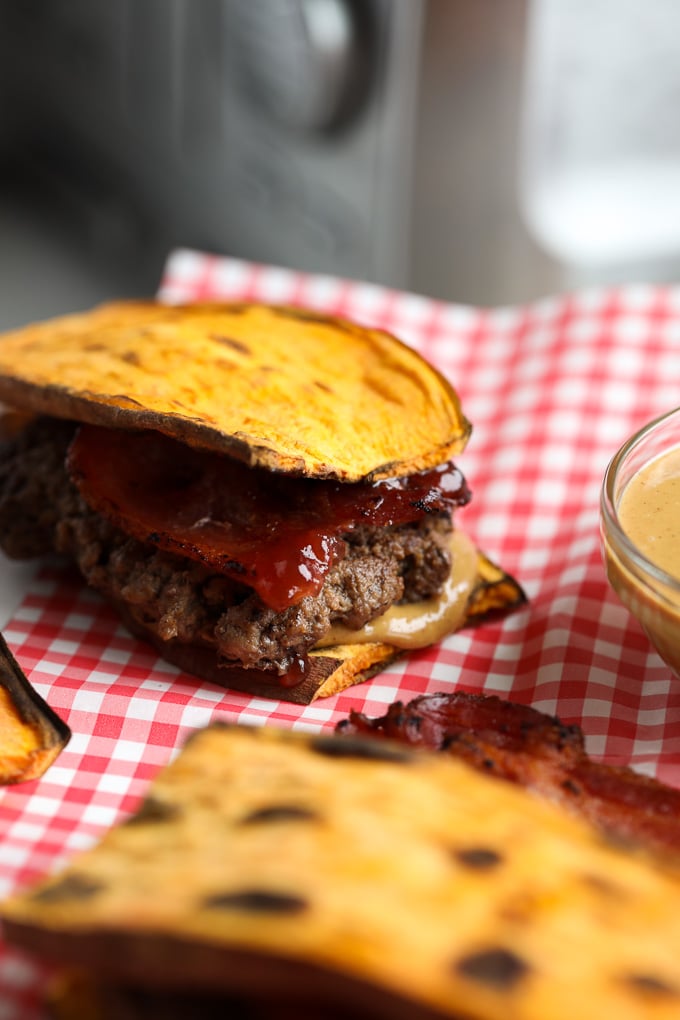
273,532
537,751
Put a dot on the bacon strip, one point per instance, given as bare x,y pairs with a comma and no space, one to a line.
537,751
275,533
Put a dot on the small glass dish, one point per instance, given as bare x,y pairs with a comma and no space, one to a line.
649,593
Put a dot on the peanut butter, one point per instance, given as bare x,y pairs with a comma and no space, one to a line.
649,511
419,624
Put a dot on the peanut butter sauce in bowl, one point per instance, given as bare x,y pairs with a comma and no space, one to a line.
640,531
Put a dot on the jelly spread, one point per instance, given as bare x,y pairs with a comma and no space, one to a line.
276,533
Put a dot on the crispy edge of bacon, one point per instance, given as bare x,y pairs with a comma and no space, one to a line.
519,744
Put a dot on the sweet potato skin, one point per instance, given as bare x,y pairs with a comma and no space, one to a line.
32,735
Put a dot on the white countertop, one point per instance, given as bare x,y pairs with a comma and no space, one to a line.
14,579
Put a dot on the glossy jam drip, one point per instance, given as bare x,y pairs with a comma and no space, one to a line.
276,533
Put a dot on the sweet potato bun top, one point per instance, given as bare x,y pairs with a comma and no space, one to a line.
281,387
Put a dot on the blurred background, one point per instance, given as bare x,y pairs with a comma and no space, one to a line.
486,152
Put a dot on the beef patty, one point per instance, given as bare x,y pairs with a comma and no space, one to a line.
41,512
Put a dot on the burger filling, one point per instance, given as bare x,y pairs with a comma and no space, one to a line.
201,549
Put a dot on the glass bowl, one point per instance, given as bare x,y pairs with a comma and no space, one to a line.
650,594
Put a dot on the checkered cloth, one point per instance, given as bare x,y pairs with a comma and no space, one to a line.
552,390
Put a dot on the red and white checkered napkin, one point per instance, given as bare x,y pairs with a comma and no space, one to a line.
552,390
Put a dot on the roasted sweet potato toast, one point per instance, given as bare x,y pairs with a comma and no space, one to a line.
328,875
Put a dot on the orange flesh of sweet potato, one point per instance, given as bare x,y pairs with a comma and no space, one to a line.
31,733
278,387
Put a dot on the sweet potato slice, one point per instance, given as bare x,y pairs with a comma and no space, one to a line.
494,594
31,733
274,386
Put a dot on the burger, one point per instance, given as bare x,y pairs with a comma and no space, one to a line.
265,494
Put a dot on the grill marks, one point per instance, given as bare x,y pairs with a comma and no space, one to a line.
496,967
229,341
257,901
650,986
368,750
153,811
478,858
280,813
72,888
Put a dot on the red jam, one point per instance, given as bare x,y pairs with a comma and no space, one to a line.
276,533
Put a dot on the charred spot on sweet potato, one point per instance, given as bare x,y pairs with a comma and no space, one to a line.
280,813
153,811
257,901
652,985
478,858
71,887
230,341
496,967
350,747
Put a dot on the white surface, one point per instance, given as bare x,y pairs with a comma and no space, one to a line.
601,149
45,269
578,213
14,579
